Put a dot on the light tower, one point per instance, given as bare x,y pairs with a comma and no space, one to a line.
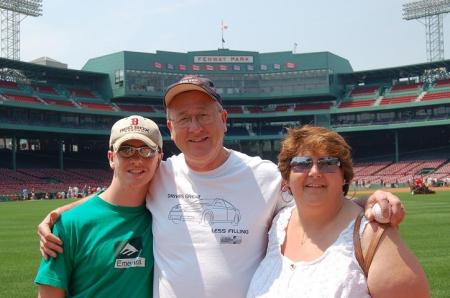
432,12
12,13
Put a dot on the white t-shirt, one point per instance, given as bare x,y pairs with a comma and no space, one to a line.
336,273
210,228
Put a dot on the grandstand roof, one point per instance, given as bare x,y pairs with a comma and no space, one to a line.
38,71
377,75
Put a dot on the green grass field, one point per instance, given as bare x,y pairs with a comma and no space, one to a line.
426,230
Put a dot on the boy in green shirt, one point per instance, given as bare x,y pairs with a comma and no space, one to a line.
107,241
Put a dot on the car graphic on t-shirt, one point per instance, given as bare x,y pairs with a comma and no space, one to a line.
205,211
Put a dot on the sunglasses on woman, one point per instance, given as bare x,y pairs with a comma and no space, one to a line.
128,151
304,164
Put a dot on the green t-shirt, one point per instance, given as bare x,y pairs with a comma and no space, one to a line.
107,252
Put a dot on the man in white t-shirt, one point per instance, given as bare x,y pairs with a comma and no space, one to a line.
211,206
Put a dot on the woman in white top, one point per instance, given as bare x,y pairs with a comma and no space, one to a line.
311,251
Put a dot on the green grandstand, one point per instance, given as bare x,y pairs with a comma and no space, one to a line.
58,120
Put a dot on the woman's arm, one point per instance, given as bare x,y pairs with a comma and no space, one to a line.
395,271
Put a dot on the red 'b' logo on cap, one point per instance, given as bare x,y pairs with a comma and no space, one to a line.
134,121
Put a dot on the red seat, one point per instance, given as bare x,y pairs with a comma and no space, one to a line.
44,89
136,108
7,84
436,96
398,100
82,93
357,103
59,102
98,106
22,98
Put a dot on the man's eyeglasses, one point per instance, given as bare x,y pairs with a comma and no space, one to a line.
128,151
304,164
202,119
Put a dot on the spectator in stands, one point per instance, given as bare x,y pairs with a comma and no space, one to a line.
311,250
108,241
209,256
75,191
84,191
25,194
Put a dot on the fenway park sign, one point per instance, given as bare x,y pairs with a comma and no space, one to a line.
223,59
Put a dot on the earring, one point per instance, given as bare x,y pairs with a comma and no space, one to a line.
286,193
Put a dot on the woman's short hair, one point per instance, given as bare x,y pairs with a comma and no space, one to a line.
311,139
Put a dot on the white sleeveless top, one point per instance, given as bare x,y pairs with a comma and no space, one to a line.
334,274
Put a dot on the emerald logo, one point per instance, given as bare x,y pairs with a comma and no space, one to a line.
129,253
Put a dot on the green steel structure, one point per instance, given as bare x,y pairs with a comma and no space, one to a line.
63,116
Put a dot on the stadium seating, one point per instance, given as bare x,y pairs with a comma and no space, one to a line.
93,174
44,89
159,108
444,169
407,87
234,109
442,83
22,98
311,107
271,130
59,102
255,109
97,106
400,172
136,108
8,85
51,180
238,131
369,168
282,108
436,96
398,99
363,91
356,103
82,93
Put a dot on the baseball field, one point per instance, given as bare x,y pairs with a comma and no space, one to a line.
426,230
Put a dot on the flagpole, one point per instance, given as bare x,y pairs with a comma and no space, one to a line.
223,41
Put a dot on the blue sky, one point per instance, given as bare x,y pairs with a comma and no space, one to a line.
371,34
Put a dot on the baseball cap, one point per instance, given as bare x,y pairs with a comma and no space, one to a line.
189,83
135,128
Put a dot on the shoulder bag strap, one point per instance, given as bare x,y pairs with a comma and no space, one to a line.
365,261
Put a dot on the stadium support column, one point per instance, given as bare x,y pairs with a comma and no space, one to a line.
61,154
260,148
396,145
14,153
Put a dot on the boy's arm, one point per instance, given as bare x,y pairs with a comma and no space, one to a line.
49,244
45,291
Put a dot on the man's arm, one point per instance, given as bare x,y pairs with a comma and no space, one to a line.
49,244
45,291
387,201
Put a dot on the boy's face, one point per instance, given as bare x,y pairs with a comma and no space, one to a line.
136,170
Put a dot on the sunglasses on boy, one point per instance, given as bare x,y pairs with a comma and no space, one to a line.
304,164
126,151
